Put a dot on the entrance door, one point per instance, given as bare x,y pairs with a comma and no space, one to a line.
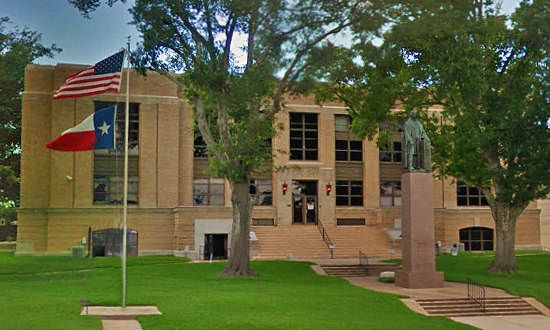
304,195
215,246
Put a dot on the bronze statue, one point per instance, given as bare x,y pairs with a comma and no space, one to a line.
416,146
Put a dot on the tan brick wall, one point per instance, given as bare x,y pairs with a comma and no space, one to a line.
544,206
56,210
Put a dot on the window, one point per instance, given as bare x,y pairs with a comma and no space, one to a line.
347,150
199,148
349,193
109,164
477,238
390,193
208,191
261,191
469,196
303,136
341,123
393,155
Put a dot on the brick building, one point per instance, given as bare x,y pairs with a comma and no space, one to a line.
176,208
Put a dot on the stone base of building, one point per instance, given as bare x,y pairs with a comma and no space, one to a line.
418,280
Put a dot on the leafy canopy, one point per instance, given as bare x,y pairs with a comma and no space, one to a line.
18,47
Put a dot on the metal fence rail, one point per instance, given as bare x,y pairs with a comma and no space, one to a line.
476,293
363,259
326,238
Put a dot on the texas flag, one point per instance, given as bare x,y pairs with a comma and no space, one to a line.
97,131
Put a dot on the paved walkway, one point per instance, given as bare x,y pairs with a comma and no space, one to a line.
455,290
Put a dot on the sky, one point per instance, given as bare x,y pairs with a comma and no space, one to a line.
86,41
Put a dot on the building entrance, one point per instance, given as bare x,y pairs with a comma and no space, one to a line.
215,246
304,198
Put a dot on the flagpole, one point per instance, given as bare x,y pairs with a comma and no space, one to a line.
125,201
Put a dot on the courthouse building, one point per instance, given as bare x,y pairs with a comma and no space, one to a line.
335,179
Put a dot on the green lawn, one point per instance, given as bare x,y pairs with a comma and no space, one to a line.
44,293
533,279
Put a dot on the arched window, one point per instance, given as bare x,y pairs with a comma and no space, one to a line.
477,238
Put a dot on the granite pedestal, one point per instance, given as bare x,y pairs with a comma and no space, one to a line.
417,242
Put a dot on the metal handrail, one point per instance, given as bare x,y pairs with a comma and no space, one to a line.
363,259
476,293
326,238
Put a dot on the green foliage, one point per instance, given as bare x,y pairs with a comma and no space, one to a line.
18,47
286,295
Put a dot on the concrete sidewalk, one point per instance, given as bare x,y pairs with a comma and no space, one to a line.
458,290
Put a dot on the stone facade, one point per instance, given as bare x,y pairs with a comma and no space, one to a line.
57,188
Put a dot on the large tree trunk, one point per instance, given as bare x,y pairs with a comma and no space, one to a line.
239,257
505,219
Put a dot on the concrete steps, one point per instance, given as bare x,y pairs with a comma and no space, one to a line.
305,242
371,240
358,270
500,306
296,242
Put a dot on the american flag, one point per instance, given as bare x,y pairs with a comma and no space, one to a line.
100,78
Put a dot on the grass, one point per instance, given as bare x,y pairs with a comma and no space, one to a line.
533,279
44,293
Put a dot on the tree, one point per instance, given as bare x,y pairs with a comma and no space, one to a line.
492,77
237,88
17,49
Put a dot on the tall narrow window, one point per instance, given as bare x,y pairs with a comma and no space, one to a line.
208,191
261,191
469,196
303,136
349,193
109,164
348,148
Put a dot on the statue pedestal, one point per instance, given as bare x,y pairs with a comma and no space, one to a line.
417,242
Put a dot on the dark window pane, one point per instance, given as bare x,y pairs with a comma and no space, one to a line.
341,190
310,118
484,201
356,145
473,200
296,134
474,191
295,117
357,201
311,143
356,183
461,191
356,156
475,246
488,246
397,157
311,134
462,201
463,234
396,146
252,190
311,155
475,234
341,145
295,154
341,155
341,183
296,143
487,234
356,190
342,200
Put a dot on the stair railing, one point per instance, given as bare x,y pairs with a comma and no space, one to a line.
476,293
326,238
363,259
